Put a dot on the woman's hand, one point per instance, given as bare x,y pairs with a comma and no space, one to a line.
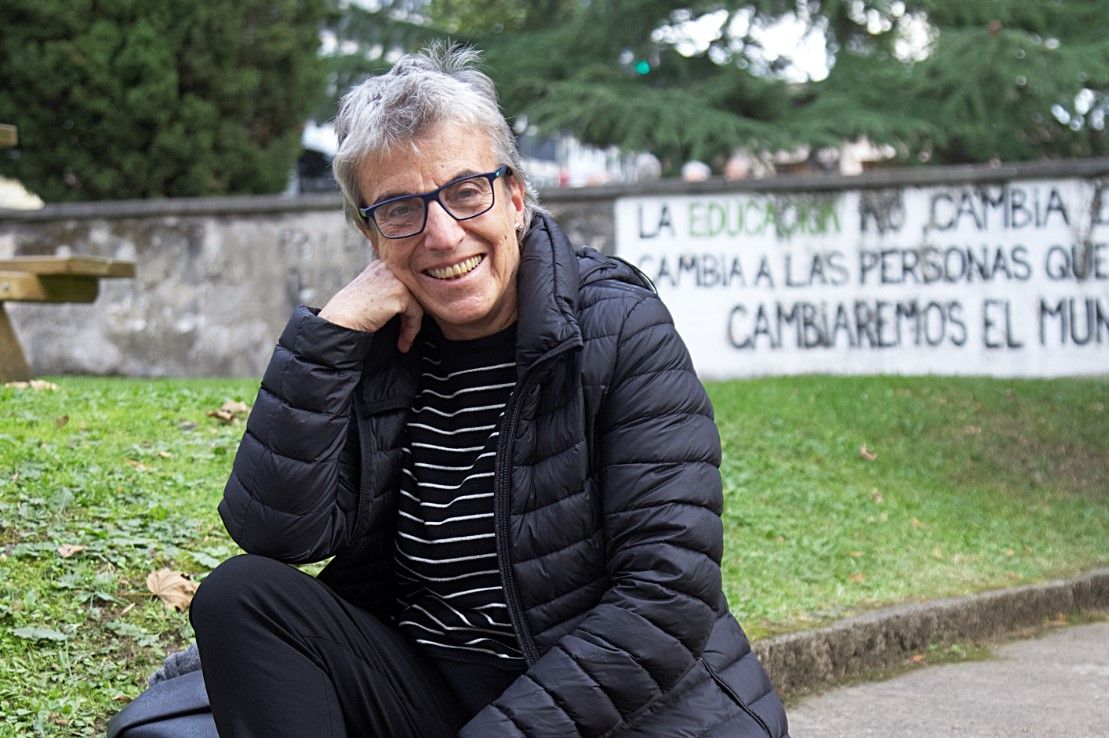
371,300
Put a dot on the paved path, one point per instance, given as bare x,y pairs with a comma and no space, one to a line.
1056,685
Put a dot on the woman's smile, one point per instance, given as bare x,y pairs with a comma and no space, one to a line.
456,270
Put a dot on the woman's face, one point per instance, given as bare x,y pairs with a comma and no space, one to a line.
482,299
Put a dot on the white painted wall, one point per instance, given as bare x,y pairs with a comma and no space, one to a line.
1003,279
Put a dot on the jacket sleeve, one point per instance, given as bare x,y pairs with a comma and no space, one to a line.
293,490
658,471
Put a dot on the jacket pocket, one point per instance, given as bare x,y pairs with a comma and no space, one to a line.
735,697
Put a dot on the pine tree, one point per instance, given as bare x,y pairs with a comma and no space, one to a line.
153,98
994,80
998,80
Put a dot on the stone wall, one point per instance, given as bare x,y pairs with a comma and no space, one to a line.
217,277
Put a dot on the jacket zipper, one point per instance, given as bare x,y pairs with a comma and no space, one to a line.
732,693
501,498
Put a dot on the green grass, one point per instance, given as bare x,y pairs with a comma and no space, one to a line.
977,484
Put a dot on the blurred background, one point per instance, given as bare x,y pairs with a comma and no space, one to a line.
122,100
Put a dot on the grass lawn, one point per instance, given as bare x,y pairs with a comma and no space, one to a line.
963,485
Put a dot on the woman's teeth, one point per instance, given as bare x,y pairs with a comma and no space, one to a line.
456,270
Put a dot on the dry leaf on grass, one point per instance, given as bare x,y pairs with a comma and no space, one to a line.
230,411
137,464
171,587
35,384
67,550
866,453
918,658
60,421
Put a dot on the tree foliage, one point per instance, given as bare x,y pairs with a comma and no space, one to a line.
946,81
153,98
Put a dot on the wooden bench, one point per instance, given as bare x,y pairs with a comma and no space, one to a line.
47,279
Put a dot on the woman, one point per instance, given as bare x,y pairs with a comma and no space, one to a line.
504,446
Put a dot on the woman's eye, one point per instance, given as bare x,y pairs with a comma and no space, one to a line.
465,191
398,210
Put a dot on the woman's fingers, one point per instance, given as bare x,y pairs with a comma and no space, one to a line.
410,321
371,300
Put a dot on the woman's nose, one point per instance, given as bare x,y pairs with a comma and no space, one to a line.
441,230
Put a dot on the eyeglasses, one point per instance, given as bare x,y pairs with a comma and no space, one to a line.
462,198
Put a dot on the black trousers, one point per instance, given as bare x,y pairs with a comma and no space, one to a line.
283,655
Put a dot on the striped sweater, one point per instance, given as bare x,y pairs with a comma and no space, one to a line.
451,600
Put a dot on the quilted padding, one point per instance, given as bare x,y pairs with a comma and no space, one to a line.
608,502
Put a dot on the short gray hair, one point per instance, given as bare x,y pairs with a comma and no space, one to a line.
437,84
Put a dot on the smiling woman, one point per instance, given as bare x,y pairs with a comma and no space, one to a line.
460,266
501,441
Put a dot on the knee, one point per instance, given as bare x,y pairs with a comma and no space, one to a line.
230,590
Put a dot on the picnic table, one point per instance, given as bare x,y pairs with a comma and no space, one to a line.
47,279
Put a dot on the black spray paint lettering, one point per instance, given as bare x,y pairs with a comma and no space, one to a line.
662,221
953,265
1011,208
997,325
708,270
1074,321
881,210
1079,262
861,324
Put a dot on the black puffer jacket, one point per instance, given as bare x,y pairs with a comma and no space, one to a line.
607,497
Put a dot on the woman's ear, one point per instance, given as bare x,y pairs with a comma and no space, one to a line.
516,197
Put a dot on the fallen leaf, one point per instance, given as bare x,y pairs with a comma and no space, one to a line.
40,634
165,454
915,522
230,411
36,385
855,554
858,578
137,464
171,587
120,698
877,496
866,453
60,421
234,406
1010,552
937,553
70,549
917,658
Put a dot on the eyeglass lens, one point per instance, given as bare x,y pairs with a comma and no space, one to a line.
464,199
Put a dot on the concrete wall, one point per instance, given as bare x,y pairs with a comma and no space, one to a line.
216,278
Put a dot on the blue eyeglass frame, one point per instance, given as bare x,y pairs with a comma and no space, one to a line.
503,170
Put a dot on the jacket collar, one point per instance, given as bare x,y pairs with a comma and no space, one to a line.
547,284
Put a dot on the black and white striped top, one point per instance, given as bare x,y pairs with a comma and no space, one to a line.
451,600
